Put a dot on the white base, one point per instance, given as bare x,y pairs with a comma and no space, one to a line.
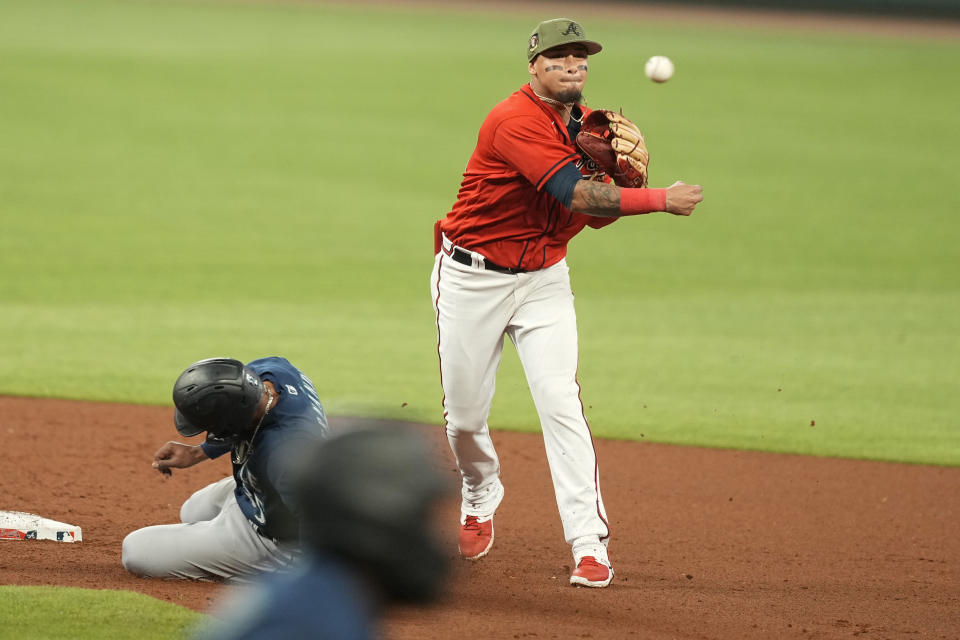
17,525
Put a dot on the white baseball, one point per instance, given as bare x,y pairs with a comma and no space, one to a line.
659,68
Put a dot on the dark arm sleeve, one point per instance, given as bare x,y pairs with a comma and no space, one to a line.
561,185
215,450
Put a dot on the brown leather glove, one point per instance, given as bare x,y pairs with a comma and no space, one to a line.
616,145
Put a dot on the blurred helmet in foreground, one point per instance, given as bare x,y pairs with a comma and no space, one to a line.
368,496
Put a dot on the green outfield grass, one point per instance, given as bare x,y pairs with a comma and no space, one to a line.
86,614
180,180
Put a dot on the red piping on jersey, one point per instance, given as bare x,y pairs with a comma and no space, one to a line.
596,461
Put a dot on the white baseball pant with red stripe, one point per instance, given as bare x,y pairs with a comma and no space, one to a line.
475,308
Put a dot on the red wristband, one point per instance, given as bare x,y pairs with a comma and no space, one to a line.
634,201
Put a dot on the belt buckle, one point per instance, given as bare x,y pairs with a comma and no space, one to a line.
468,258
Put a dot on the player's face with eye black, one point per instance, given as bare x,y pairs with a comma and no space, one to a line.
560,73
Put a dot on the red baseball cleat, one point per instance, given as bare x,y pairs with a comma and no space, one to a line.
590,573
476,537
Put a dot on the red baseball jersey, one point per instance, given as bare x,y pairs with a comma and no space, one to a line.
502,210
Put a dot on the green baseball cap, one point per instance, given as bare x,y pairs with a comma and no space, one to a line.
552,33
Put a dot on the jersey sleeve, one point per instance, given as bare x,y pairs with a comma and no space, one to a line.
531,146
215,448
563,183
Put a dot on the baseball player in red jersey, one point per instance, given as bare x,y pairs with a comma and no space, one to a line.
500,270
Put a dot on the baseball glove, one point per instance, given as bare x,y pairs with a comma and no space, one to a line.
616,145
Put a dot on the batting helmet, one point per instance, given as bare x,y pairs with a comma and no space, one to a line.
217,395
366,496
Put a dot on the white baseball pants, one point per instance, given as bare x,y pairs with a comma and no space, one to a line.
214,542
475,308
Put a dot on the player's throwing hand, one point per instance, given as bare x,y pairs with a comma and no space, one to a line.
683,197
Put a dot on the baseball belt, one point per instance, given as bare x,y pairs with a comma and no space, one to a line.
463,257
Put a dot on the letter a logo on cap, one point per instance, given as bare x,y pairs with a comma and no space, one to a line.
556,32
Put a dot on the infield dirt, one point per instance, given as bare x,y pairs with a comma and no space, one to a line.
706,543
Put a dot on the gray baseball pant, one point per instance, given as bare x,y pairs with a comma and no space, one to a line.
214,542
